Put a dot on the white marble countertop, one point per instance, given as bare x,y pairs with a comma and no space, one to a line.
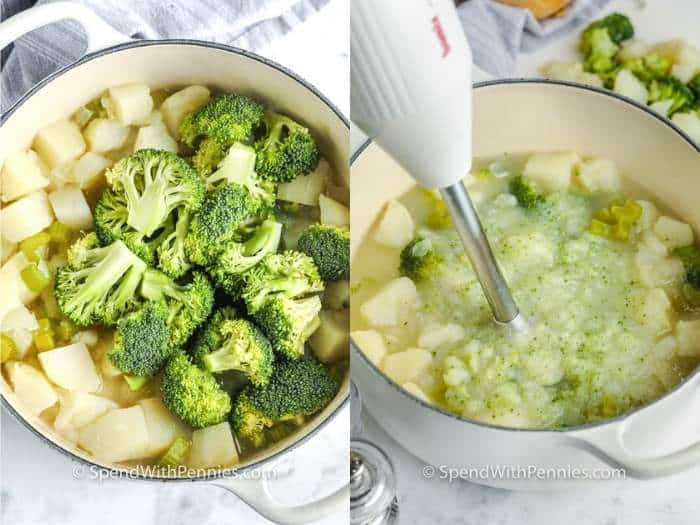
37,483
669,501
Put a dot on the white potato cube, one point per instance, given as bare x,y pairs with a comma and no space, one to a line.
31,387
14,290
130,103
396,227
408,365
306,189
570,72
155,136
528,250
371,343
688,122
684,72
551,171
118,435
673,233
59,143
104,134
330,342
18,324
163,427
22,173
649,215
176,107
436,334
332,212
662,107
397,301
71,367
71,208
213,447
655,312
688,336
633,48
627,84
679,51
87,169
599,175
651,244
416,391
25,217
336,296
78,409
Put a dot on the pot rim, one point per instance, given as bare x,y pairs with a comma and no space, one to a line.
575,428
129,472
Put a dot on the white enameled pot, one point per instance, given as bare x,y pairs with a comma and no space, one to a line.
516,116
172,63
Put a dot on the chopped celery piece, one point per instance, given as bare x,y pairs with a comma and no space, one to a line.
8,349
608,407
136,382
176,453
483,173
30,246
66,330
158,96
616,221
82,116
44,335
35,279
59,232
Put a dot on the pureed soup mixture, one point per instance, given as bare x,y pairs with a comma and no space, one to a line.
610,282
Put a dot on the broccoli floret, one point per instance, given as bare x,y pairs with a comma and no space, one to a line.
234,344
288,323
238,166
98,284
618,26
649,67
287,151
690,256
670,88
419,260
142,341
171,245
329,247
694,86
224,212
153,183
292,274
227,119
693,276
188,304
238,257
208,156
297,389
193,394
526,192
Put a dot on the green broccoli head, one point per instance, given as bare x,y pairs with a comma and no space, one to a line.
670,88
329,247
526,192
690,257
618,27
694,86
98,284
296,389
208,156
188,304
649,67
292,274
288,323
227,119
237,258
153,183
287,151
224,212
141,341
419,260
193,394
172,258
234,344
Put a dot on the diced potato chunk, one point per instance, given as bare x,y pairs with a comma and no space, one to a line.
130,103
332,212
71,208
336,296
178,105
213,447
155,136
684,72
306,189
416,391
59,143
599,175
435,335
19,324
163,427
118,435
551,171
395,228
31,387
627,84
528,250
330,342
15,291
22,173
71,367
80,408
660,271
25,217
633,48
673,233
690,123
397,301
688,336
679,51
649,215
88,168
571,72
406,366
371,343
104,134
662,107
655,312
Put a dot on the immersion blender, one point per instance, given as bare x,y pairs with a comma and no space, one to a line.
411,92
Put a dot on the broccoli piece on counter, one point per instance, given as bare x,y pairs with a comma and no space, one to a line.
649,67
670,88
329,247
600,41
419,260
526,192
694,86
288,323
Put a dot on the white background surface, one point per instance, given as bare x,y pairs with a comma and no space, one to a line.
38,486
670,501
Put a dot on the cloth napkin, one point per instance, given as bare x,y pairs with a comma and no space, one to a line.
249,24
497,32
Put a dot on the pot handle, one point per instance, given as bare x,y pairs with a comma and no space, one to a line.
256,494
99,33
610,443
